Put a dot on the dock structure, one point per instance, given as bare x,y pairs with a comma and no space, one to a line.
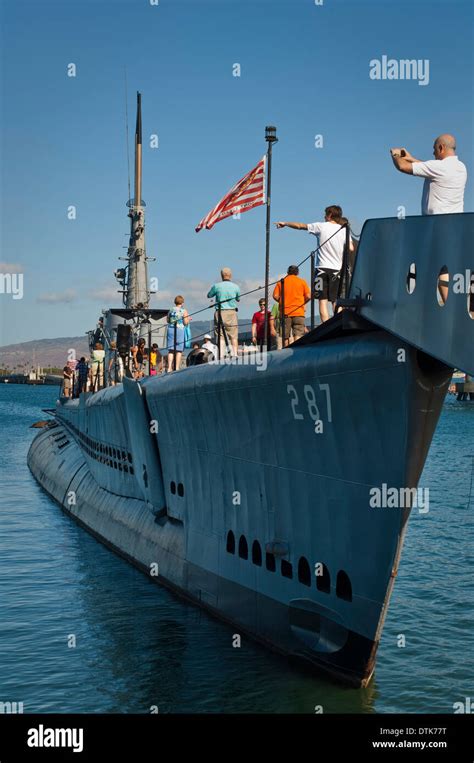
31,378
465,389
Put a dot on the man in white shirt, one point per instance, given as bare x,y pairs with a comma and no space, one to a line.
332,238
443,189
445,176
208,345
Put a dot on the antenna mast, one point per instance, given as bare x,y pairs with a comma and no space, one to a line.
137,294
126,130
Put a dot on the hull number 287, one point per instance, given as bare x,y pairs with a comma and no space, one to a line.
308,404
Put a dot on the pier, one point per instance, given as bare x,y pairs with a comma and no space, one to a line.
465,389
33,377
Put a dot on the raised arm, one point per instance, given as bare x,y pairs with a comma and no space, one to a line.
295,226
403,160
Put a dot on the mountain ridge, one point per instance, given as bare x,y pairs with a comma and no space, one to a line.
52,352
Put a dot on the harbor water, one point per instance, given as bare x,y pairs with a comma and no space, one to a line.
83,631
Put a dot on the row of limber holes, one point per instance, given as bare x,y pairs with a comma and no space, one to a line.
323,581
115,458
442,287
60,440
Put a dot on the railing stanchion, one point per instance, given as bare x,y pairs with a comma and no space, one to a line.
226,339
174,354
149,347
219,325
344,283
282,312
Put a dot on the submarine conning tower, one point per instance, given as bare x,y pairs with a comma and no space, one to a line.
136,313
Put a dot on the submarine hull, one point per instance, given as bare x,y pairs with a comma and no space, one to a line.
249,489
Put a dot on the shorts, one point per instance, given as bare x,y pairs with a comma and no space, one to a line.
326,284
294,325
230,323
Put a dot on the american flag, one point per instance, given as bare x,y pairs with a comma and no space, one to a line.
248,193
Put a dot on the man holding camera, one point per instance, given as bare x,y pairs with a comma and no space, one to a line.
443,190
445,176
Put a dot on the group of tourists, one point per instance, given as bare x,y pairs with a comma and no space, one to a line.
78,375
443,192
108,369
285,322
84,375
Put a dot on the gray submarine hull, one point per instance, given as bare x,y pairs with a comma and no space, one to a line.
247,489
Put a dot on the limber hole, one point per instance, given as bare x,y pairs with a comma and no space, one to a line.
470,297
442,286
411,278
243,547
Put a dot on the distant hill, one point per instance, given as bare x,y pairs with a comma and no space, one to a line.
47,353
53,353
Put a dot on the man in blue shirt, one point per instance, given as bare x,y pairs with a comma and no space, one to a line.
226,294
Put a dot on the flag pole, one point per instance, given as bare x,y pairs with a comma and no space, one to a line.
270,137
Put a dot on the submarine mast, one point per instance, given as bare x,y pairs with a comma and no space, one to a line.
137,293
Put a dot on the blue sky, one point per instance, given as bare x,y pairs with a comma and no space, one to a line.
304,68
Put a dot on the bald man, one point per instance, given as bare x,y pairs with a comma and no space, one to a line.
445,176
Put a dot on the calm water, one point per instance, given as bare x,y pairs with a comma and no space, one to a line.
137,645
